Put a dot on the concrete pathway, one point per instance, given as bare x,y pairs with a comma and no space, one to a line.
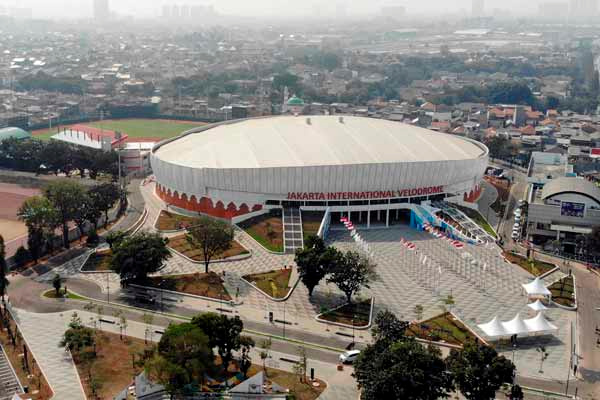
43,333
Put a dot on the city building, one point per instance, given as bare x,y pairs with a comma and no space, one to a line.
563,209
101,10
362,166
477,8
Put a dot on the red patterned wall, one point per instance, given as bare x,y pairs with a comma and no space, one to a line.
205,205
473,195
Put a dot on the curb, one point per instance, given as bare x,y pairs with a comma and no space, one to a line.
150,288
359,328
287,296
241,257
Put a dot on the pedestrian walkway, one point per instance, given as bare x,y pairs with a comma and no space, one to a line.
43,333
9,384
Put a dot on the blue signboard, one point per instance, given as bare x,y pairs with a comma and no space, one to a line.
569,209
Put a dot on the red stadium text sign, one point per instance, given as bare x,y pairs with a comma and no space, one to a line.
377,194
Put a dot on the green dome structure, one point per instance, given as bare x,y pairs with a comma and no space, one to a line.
295,101
13,133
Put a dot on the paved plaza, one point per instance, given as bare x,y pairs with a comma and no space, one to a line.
481,282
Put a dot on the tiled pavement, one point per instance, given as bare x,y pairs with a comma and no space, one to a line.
43,333
479,292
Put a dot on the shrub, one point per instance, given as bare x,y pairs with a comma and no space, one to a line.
21,257
93,239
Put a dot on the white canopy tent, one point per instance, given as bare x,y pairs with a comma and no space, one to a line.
515,326
536,288
493,328
539,324
537,306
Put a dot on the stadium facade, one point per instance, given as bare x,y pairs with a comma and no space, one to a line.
350,164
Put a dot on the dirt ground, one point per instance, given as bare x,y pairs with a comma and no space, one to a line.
11,198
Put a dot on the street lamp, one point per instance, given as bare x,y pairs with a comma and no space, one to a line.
284,319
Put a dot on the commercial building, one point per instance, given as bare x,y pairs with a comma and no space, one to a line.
362,166
101,10
563,209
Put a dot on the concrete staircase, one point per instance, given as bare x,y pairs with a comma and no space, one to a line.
9,385
292,230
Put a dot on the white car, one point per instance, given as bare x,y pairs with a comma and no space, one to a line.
515,234
518,212
516,226
348,357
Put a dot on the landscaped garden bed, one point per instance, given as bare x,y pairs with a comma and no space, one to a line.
478,219
443,328
266,229
205,285
357,314
563,292
98,261
51,294
168,221
311,222
114,369
535,267
275,284
181,245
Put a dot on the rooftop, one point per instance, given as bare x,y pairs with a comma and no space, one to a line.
287,141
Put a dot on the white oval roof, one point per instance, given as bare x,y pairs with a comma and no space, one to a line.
288,141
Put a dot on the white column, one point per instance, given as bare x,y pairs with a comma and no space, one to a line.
368,219
387,218
557,235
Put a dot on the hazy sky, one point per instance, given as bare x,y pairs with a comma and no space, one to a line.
145,8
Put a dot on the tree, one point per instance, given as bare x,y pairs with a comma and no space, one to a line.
41,219
21,256
148,320
103,197
246,344
315,261
418,311
67,197
3,269
388,328
184,356
211,236
57,284
223,332
516,393
77,337
352,273
398,367
264,353
80,215
114,238
302,364
479,371
139,255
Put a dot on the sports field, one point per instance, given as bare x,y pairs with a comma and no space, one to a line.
136,129
11,198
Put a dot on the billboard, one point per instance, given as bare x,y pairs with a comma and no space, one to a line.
569,209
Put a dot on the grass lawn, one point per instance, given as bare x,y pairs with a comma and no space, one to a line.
38,387
51,294
112,365
444,327
134,128
206,285
274,283
180,244
562,292
349,314
168,221
266,229
99,261
311,221
535,268
478,219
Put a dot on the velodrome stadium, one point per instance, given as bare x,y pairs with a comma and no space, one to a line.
373,169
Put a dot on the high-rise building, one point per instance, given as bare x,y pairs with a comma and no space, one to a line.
553,10
584,8
166,11
101,10
477,8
